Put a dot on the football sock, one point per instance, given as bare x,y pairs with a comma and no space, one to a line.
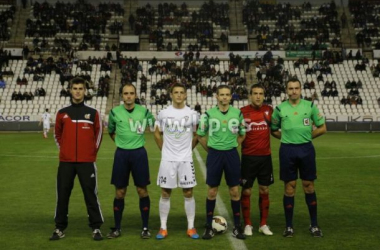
164,208
118,208
288,203
190,211
311,201
210,206
235,205
246,208
144,210
264,208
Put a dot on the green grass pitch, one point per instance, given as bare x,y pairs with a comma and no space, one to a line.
347,190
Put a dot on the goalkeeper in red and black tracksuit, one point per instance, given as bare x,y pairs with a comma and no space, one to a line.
78,134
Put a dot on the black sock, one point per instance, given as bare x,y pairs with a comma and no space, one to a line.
210,206
235,205
288,203
311,201
118,208
144,210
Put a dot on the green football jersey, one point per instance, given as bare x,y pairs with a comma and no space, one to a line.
296,122
222,129
129,127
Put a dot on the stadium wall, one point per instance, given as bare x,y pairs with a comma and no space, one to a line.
352,126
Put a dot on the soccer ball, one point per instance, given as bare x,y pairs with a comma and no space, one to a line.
219,224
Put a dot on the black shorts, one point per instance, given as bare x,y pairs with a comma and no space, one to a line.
127,161
297,158
259,167
219,161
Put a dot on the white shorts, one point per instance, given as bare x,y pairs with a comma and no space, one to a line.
174,174
46,125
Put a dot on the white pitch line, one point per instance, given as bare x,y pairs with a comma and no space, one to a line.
235,243
347,157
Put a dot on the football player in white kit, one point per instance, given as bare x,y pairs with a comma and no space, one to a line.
177,123
45,120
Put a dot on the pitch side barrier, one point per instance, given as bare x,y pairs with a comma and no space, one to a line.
32,126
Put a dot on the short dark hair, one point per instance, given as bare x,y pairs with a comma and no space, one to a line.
129,85
77,80
293,79
47,110
257,85
177,85
222,87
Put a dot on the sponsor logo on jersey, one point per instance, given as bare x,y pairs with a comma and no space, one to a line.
177,127
255,126
306,121
87,116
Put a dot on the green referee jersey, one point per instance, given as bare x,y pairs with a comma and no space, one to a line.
222,129
129,127
296,122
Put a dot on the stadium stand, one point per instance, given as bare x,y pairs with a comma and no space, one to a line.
284,26
7,13
67,26
46,87
176,28
340,81
366,21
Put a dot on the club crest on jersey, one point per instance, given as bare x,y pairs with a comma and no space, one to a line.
85,126
306,121
87,116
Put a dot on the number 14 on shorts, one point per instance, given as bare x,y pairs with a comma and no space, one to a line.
162,180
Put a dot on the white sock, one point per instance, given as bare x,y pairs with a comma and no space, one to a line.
190,212
164,208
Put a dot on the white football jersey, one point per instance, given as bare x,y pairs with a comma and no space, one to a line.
177,126
46,117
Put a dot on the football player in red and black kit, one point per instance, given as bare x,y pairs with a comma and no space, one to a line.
256,158
78,134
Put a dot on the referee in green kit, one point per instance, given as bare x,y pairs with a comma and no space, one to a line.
296,117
